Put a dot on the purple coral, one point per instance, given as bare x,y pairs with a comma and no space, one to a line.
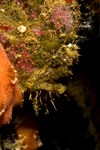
33,14
38,32
3,38
21,58
62,16
25,62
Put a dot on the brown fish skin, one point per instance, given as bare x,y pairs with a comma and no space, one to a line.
10,96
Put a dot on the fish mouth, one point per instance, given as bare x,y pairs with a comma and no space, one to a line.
43,91
39,80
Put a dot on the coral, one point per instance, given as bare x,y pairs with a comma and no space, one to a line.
23,132
17,145
10,96
62,16
29,129
34,34
68,1
21,58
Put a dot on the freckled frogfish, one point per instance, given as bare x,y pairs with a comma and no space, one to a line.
10,96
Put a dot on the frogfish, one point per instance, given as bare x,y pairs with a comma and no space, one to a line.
10,96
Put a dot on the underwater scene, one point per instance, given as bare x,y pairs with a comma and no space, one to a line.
49,74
